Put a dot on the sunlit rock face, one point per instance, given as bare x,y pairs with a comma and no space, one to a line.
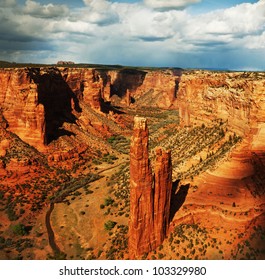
149,195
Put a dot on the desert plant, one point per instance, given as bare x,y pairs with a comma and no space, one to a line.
20,229
109,225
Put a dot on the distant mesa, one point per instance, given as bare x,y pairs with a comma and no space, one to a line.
61,62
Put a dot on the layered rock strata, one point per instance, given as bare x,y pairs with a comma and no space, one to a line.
235,97
20,106
149,195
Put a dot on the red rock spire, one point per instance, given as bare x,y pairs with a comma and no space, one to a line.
149,196
162,193
141,224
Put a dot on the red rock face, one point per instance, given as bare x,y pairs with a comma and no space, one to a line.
163,189
37,101
233,97
88,85
149,198
20,106
146,88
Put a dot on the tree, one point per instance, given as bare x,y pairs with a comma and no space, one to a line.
20,229
109,225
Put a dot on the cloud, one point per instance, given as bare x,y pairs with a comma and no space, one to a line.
169,4
7,3
150,33
143,24
100,12
226,27
35,9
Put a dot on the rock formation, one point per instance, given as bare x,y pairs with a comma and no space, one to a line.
233,97
37,101
162,188
141,235
20,106
149,197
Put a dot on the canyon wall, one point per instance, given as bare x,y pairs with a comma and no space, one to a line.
235,97
150,194
146,88
37,101
20,106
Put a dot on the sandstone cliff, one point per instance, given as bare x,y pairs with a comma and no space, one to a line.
20,106
36,102
235,97
145,87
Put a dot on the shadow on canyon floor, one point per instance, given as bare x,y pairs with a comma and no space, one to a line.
178,197
107,107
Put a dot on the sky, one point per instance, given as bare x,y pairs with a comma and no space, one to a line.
163,33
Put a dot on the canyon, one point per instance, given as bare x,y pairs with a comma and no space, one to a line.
65,137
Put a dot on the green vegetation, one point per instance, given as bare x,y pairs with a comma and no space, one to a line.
109,225
119,243
108,201
119,143
20,229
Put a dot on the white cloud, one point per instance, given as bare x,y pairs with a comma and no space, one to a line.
169,4
35,9
100,12
255,42
114,32
226,28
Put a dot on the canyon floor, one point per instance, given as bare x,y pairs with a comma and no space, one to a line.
71,199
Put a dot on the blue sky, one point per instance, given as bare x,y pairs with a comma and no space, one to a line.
176,33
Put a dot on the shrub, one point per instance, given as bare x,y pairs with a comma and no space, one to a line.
20,229
108,201
109,225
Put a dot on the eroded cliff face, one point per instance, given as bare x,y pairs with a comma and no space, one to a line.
237,98
149,195
37,101
20,106
145,88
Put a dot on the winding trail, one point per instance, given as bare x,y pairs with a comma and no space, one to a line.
50,232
